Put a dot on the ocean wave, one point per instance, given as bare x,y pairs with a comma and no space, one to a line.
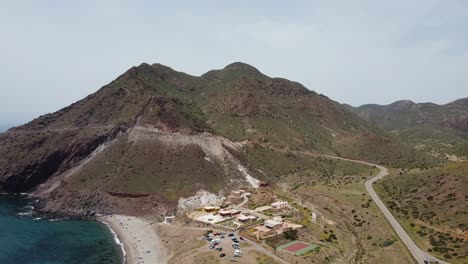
25,213
117,241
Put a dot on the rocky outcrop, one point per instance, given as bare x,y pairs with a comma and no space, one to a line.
51,152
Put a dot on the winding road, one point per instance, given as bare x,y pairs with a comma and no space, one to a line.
420,255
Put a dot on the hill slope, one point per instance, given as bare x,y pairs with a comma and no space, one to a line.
432,205
438,129
155,135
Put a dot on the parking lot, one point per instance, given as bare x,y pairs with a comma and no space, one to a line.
229,244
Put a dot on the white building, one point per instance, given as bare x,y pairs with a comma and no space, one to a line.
273,224
246,218
279,205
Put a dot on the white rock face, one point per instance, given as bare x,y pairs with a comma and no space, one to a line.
251,180
202,198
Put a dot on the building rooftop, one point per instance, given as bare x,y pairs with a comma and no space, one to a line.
246,217
211,207
271,223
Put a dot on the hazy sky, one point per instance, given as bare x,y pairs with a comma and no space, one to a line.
53,53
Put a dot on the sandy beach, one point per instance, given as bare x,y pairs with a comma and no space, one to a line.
141,244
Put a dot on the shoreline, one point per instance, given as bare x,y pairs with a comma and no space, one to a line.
138,239
116,239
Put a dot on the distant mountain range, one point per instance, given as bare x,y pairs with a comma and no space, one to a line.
432,127
407,114
155,135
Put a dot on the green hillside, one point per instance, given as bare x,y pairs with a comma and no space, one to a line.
432,206
440,130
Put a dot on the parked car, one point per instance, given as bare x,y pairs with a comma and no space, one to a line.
231,235
222,237
241,238
222,255
219,249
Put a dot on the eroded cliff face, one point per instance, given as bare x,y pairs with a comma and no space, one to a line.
70,202
138,170
31,157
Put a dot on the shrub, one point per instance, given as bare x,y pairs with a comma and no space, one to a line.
290,235
388,243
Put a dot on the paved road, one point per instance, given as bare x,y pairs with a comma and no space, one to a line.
417,253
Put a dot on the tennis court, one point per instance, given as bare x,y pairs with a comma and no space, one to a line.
297,248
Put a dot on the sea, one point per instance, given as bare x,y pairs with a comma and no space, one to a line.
30,238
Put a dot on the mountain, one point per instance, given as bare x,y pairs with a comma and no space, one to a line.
155,135
439,129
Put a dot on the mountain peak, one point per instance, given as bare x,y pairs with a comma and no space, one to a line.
240,66
403,103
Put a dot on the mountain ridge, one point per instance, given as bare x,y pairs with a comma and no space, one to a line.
428,125
159,134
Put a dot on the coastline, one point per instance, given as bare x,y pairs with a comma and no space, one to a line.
116,239
138,240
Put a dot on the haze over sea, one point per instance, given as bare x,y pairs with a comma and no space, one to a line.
4,128
27,238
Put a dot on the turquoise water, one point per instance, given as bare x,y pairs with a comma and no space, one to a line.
26,239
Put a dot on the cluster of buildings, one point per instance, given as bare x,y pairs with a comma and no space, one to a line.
218,215
238,216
